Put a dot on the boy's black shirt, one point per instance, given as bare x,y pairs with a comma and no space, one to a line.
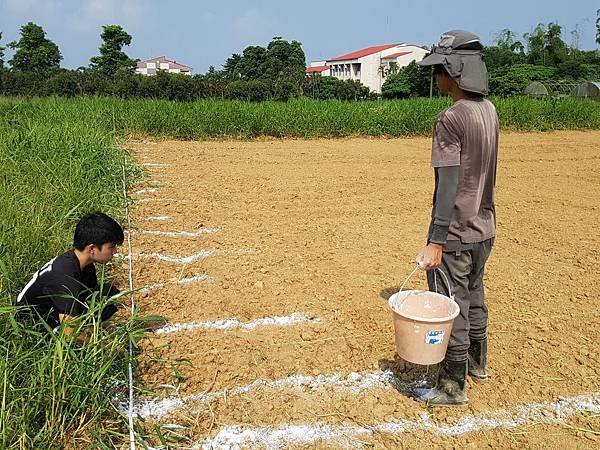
61,287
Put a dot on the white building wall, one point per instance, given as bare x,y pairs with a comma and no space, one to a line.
370,76
370,73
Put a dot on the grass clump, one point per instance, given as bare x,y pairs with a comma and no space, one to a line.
55,167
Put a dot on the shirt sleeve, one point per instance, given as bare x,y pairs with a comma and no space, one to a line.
445,150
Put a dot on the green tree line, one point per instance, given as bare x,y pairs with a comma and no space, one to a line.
512,64
277,71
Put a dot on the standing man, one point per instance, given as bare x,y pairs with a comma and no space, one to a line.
463,224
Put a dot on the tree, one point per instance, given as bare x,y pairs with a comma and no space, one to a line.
545,45
598,27
1,54
284,60
555,46
506,39
112,58
420,80
251,63
280,61
396,86
511,80
33,52
230,68
507,51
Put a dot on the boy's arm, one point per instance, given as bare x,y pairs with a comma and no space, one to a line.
81,337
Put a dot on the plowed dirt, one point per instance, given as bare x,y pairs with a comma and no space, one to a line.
330,228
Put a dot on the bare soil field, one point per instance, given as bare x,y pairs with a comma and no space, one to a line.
273,260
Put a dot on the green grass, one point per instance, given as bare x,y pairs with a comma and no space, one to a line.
54,167
211,119
59,159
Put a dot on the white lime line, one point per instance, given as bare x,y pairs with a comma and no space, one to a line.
196,256
147,190
183,234
183,281
235,436
156,199
229,324
354,382
189,259
148,164
178,259
159,218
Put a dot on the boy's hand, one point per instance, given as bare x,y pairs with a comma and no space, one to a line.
430,256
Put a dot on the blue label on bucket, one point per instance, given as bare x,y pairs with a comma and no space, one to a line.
434,337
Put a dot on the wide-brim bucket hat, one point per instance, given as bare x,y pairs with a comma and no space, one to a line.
461,53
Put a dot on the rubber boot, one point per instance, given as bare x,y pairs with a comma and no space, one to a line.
478,359
450,389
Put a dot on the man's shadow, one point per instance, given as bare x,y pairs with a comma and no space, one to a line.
405,376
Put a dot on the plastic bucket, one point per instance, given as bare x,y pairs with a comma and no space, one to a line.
422,324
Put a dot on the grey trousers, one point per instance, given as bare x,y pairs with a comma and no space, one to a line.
464,268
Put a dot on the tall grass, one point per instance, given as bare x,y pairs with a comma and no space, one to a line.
210,119
59,159
53,168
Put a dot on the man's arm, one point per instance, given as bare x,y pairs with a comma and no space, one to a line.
430,257
445,199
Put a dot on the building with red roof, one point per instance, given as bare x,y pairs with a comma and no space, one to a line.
370,65
152,65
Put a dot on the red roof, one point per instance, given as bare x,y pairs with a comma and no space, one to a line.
395,55
316,69
363,52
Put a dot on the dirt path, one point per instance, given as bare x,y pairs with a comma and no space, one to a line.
314,236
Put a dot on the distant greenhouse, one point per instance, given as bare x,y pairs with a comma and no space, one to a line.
536,89
588,89
550,88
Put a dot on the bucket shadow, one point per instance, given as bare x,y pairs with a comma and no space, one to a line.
387,292
407,376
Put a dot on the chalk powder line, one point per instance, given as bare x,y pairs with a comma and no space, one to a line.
183,281
159,218
232,323
354,383
196,256
235,436
183,234
147,190
149,164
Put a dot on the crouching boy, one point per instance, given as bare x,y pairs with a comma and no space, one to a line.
62,288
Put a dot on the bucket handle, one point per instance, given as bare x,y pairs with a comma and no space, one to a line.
439,270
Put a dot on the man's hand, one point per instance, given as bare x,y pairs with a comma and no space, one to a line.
430,257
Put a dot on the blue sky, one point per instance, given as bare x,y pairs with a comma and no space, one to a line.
203,33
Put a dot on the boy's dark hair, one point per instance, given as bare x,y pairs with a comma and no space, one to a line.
97,228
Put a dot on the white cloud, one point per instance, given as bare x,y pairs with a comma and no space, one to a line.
94,13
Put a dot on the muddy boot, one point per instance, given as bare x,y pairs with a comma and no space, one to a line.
478,359
450,389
